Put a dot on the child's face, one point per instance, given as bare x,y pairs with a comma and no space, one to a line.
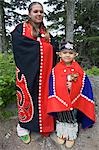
67,55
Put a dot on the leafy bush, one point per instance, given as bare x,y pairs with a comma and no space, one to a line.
7,79
93,71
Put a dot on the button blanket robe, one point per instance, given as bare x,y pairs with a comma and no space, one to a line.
34,61
80,96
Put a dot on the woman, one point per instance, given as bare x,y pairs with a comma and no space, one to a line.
34,55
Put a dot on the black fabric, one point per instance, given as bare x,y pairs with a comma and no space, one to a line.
67,116
26,53
55,44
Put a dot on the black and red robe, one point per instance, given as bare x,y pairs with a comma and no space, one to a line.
34,61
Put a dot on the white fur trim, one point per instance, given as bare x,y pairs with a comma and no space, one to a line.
67,130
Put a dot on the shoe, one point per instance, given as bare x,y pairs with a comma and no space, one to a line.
26,139
60,140
56,139
69,143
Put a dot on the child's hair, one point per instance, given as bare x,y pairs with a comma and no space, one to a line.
35,33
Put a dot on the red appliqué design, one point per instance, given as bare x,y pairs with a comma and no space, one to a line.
24,99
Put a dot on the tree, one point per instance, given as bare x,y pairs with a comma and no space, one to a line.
70,20
62,16
13,14
86,27
57,15
10,16
87,16
3,45
87,31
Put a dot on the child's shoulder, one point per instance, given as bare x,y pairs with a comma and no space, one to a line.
58,69
78,67
58,65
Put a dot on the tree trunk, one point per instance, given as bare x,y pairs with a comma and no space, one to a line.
3,44
65,11
70,20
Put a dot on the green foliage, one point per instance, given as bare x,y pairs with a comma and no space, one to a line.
57,15
93,71
88,49
7,79
86,15
5,114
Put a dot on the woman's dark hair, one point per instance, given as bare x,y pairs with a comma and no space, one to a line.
33,3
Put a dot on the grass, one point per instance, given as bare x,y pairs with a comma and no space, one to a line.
7,114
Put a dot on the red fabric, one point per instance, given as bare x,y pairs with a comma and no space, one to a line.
47,65
45,134
61,78
86,107
25,104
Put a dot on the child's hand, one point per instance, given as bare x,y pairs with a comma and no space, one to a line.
69,84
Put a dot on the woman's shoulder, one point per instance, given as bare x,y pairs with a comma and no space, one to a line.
54,42
18,28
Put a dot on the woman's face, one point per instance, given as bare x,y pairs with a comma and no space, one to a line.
36,14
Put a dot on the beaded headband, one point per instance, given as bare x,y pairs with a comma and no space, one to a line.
67,45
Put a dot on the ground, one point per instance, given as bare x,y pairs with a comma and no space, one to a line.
87,139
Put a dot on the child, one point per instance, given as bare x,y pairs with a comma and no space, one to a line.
70,96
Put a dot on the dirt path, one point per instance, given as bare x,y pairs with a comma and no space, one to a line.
87,139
